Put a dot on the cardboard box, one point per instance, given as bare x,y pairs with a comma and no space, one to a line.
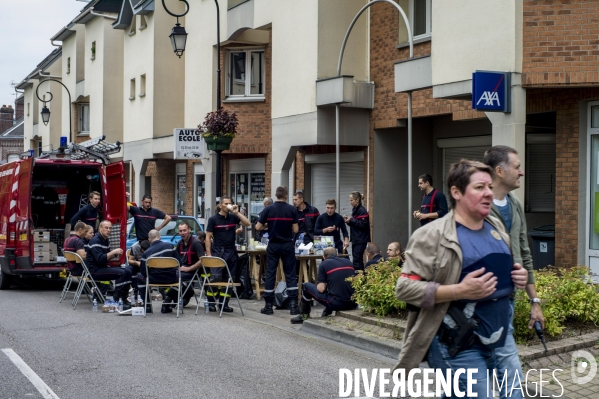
41,236
45,247
43,257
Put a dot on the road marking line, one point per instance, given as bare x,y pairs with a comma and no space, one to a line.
37,382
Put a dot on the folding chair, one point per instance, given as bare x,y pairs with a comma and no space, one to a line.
196,277
84,280
163,263
212,262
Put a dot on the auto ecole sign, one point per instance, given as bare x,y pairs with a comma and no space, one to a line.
491,91
189,144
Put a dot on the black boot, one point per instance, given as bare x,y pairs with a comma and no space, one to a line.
293,309
226,307
304,313
326,312
267,309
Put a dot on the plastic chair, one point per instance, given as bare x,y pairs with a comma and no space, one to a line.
163,263
212,262
84,279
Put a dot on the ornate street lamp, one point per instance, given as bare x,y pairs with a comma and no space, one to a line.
178,38
46,112
45,115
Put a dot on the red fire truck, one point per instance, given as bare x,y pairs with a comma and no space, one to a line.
39,196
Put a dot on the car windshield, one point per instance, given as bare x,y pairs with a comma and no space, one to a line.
172,227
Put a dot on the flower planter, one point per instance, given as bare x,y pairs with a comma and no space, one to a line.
218,143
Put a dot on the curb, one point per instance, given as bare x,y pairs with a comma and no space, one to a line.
528,353
370,320
378,346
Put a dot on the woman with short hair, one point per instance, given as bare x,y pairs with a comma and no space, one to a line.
457,279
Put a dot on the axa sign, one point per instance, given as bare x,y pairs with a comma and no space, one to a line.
490,91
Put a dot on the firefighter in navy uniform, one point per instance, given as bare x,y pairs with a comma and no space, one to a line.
434,203
89,213
157,249
307,215
145,217
75,243
282,220
191,250
359,229
220,242
97,262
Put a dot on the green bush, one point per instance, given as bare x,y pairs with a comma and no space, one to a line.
566,295
375,289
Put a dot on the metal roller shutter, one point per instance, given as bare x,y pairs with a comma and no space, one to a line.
455,154
323,184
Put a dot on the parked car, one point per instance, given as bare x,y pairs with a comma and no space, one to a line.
170,232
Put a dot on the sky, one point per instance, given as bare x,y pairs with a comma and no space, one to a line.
26,27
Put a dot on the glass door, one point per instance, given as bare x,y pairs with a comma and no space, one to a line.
593,190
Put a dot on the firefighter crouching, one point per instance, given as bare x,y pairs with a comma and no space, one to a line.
220,242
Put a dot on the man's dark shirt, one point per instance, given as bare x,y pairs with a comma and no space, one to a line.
223,229
192,252
98,248
307,222
333,272
359,225
145,220
74,243
88,215
280,217
336,220
439,205
374,260
160,249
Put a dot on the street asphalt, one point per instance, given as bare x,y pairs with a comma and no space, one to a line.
80,354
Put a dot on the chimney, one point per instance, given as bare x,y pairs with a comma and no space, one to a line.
19,107
6,118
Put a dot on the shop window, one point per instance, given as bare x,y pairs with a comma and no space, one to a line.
180,194
540,173
245,72
200,197
247,191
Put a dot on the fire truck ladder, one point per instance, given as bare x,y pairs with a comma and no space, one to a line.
88,150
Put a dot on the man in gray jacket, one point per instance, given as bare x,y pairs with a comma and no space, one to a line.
507,171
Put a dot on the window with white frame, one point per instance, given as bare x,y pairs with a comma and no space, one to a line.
83,119
420,18
246,73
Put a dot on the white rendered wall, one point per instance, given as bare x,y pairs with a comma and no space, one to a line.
470,35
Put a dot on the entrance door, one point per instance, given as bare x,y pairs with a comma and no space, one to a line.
593,188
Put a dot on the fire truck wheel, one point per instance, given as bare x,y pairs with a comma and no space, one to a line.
5,280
